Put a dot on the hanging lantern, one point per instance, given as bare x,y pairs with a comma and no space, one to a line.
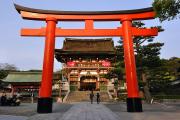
70,64
106,63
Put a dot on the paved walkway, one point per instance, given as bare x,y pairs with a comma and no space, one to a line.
87,111
10,117
80,111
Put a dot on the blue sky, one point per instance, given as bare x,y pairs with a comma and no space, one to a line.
27,52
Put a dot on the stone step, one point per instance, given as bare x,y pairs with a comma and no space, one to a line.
81,96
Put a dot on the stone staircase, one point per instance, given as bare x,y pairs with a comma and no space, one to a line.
83,96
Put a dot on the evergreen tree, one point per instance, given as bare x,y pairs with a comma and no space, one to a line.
147,58
166,9
5,68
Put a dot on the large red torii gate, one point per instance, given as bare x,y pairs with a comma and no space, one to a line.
127,31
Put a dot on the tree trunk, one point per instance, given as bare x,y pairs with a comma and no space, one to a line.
147,93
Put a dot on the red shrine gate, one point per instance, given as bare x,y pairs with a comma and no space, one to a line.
51,31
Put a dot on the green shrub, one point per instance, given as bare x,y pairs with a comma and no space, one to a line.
73,87
167,96
103,87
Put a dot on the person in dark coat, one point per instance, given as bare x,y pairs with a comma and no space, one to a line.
91,96
98,98
3,99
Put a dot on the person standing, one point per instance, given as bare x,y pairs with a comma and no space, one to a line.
98,98
3,99
91,96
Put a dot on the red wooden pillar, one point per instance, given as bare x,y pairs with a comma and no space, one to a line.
133,100
45,99
13,90
98,80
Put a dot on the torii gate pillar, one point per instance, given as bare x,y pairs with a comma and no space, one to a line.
45,99
133,100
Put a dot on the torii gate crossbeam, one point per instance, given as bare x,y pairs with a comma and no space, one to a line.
127,31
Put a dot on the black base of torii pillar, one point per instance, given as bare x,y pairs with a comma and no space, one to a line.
44,105
134,105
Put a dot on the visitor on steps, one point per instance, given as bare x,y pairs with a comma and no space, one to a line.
91,97
98,98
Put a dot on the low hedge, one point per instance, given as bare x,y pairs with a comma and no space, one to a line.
167,96
73,87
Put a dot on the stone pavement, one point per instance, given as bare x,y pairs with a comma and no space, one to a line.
158,111
80,111
10,117
87,111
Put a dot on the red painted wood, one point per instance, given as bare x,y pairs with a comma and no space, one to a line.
89,32
130,66
116,17
89,24
47,73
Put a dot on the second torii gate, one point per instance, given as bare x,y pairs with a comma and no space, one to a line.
127,31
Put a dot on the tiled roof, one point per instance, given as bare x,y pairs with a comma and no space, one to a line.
90,45
23,77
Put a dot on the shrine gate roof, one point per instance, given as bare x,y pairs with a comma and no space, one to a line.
88,45
20,8
74,48
39,14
